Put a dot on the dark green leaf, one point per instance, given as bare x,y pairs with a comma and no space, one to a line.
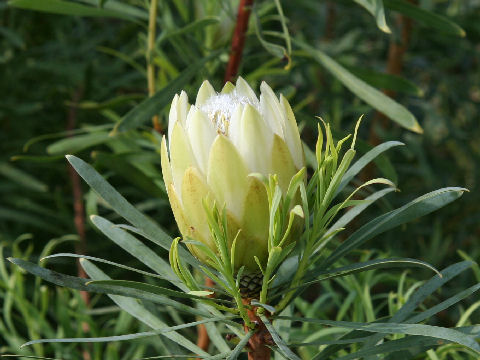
21,178
399,328
80,284
283,347
367,93
425,17
364,161
386,81
240,346
106,191
137,249
414,209
375,7
66,8
122,337
77,143
364,266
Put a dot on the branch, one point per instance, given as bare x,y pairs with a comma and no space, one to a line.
78,209
396,52
238,39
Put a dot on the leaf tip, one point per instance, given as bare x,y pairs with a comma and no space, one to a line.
69,157
417,128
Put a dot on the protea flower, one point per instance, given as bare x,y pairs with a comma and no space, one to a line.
215,147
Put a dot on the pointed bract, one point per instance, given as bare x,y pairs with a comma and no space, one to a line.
201,134
227,175
292,136
243,89
181,156
205,92
255,135
194,192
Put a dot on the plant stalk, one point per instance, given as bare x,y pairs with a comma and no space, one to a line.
152,26
258,343
238,39
79,210
395,62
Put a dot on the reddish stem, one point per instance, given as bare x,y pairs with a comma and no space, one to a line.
79,211
396,52
78,207
238,39
330,21
258,349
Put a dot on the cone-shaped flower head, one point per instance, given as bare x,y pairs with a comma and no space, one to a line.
214,147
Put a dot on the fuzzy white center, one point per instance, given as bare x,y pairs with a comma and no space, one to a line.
220,109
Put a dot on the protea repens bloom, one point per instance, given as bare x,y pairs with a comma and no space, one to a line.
214,148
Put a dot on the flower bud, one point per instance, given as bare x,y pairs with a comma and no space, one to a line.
215,148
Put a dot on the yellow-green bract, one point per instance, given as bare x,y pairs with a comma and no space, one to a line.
216,149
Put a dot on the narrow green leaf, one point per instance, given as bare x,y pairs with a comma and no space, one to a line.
81,284
77,143
414,209
66,8
283,347
399,328
240,346
364,266
367,93
386,81
408,308
425,17
106,191
62,134
121,337
108,104
149,288
375,7
92,258
21,178
137,310
190,27
420,295
444,304
406,343
267,307
137,249
364,161
274,49
356,210
123,7
12,36
121,165
19,217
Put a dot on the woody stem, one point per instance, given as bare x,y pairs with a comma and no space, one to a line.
258,349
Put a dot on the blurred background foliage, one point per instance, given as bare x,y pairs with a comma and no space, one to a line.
74,81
